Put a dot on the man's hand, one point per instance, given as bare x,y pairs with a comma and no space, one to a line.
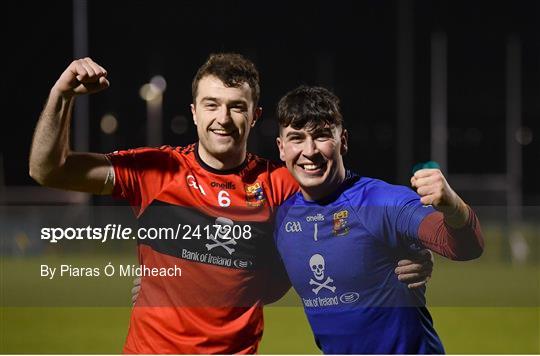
135,290
434,190
416,271
82,76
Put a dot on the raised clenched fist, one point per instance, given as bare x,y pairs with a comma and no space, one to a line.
82,76
434,190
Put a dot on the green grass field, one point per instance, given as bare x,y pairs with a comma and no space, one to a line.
471,330
478,307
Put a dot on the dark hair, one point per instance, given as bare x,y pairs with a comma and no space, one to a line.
309,107
232,69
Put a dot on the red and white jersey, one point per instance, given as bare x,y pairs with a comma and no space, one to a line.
220,226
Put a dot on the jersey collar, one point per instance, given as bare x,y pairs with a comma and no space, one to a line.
206,167
350,179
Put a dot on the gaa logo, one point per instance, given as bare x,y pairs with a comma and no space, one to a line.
293,226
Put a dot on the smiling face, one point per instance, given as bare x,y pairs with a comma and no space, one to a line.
223,116
315,158
312,140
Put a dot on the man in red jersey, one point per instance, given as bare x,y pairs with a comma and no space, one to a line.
213,189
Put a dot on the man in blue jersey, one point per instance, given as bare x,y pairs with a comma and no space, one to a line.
341,236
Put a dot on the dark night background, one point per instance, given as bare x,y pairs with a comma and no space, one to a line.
348,46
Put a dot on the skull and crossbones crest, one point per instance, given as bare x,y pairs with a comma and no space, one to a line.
316,263
220,234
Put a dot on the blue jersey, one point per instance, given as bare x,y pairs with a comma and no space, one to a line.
340,255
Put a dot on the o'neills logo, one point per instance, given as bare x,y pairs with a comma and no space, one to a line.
312,218
226,185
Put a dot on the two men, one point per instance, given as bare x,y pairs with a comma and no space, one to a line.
216,305
341,235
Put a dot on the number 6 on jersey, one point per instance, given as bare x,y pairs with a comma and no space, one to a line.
224,199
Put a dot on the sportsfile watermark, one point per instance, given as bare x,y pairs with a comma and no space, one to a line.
193,257
118,232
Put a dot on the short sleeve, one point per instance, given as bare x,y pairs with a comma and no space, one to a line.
392,213
142,173
406,212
